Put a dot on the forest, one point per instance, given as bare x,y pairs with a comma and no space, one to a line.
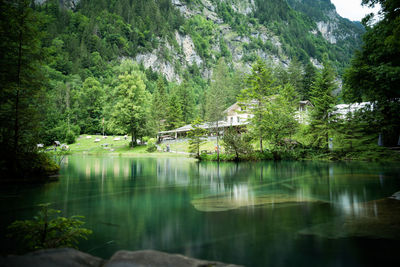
68,70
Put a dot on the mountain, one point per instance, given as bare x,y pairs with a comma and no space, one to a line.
176,36
274,30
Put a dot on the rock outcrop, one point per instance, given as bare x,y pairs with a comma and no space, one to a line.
69,257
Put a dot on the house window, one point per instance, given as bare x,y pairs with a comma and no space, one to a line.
238,119
231,120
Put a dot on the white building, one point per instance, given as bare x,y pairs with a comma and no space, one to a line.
237,115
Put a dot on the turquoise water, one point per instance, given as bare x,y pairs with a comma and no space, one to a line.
255,214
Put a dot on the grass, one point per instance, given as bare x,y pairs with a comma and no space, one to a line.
85,145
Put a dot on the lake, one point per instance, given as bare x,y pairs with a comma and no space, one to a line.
250,213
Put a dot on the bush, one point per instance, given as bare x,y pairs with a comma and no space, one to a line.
151,145
47,230
70,138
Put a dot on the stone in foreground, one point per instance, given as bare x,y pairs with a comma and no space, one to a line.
74,258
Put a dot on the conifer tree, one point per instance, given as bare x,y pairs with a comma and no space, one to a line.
260,87
324,102
308,80
174,114
196,137
217,96
159,105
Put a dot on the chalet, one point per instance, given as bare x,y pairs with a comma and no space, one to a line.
238,115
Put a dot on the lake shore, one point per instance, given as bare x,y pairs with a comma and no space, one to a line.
119,146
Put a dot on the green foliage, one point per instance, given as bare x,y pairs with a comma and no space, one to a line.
217,96
201,32
48,230
293,21
374,74
174,112
323,101
196,137
21,78
159,105
236,143
279,116
70,137
151,145
308,81
258,93
131,107
91,101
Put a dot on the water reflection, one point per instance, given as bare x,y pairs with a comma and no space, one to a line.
245,213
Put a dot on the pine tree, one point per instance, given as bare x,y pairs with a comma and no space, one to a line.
196,137
323,101
159,105
174,114
260,87
308,81
217,96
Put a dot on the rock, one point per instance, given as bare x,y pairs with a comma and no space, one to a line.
396,196
69,257
151,258
60,257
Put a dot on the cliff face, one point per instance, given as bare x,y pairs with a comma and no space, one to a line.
242,30
237,33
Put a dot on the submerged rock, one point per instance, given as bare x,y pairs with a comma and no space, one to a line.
69,257
377,219
224,203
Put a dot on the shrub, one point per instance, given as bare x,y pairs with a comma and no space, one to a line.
70,138
151,145
47,230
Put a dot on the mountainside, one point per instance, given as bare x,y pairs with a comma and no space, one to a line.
242,30
174,36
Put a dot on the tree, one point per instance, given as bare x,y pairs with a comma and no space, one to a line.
187,100
323,101
22,80
308,81
159,105
174,112
196,137
260,88
374,74
279,117
295,75
131,108
91,102
217,95
236,143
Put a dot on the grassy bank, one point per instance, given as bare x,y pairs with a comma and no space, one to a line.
373,154
109,145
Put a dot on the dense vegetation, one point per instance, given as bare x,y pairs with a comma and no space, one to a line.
67,69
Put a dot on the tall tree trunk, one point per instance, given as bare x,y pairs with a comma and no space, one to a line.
19,66
132,139
217,142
